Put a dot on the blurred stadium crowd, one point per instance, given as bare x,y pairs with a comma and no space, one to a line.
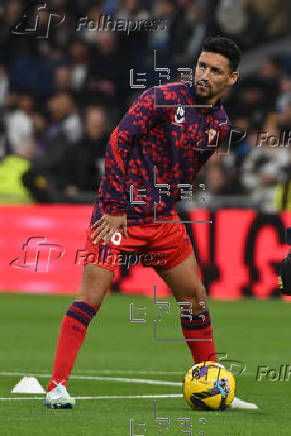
61,96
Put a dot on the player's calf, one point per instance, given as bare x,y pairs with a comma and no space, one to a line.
74,326
197,329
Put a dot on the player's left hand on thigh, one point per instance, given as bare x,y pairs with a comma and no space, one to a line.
107,225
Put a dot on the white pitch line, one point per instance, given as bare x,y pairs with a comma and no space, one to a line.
129,371
132,371
82,377
107,397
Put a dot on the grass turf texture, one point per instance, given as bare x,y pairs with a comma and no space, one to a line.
256,332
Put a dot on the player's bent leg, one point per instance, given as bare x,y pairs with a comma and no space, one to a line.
184,282
95,283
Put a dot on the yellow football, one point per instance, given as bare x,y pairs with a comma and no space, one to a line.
208,386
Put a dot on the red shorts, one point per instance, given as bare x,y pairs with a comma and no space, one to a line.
160,246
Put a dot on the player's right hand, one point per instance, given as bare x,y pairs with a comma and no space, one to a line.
107,225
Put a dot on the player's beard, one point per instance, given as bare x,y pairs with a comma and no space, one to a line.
203,99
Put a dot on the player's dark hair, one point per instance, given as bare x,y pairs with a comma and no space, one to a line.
225,47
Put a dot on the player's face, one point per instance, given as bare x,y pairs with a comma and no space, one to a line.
212,76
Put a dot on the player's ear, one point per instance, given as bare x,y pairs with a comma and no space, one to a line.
233,78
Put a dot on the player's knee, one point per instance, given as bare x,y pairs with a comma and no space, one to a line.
197,297
95,285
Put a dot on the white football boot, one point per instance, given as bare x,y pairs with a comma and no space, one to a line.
237,403
59,398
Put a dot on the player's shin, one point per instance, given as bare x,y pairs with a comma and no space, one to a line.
199,335
71,336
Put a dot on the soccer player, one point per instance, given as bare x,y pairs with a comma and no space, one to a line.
161,142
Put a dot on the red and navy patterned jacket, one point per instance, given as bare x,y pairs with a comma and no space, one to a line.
161,140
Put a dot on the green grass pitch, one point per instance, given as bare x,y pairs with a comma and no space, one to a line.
256,332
